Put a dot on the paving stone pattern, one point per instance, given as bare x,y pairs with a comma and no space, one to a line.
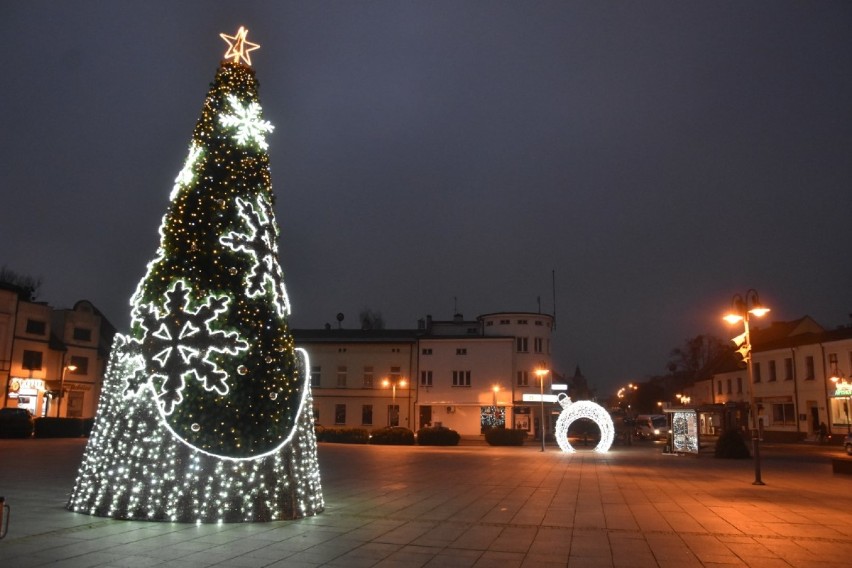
470,505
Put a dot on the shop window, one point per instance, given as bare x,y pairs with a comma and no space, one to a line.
784,413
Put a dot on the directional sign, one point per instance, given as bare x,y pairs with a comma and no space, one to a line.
530,397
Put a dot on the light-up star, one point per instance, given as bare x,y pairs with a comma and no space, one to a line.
238,47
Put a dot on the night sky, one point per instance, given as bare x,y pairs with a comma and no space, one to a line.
439,156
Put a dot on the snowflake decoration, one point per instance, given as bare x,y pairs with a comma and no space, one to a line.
246,119
177,345
186,175
260,243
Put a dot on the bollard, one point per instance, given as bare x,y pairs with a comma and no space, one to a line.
4,517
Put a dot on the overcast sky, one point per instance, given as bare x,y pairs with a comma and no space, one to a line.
431,156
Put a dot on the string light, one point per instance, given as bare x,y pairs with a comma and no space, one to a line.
206,411
572,411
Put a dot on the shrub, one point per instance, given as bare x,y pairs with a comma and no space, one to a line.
393,435
731,445
343,435
505,437
438,437
47,427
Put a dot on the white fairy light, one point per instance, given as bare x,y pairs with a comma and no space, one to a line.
572,411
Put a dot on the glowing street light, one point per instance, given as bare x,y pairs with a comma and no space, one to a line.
72,368
541,373
393,383
742,308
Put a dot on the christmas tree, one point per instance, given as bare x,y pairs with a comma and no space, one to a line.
206,410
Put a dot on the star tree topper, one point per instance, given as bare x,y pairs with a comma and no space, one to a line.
238,47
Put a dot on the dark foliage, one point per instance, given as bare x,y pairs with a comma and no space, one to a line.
731,445
505,437
58,427
393,436
343,435
438,437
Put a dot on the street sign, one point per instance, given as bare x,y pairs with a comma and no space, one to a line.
530,397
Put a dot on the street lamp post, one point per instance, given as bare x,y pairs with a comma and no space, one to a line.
393,383
742,308
541,373
71,368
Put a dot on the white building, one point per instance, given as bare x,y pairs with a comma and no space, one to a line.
462,374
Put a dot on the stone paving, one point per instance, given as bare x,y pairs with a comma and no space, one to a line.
470,505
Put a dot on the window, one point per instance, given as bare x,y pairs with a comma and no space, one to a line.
461,351
832,363
367,415
36,327
755,368
316,375
788,369
538,322
739,385
773,375
340,414
523,378
425,378
489,323
82,364
729,386
368,377
522,322
341,350
82,334
393,415
522,344
341,376
809,368
538,344
719,387
31,360
427,351
505,322
783,413
395,374
316,415
461,378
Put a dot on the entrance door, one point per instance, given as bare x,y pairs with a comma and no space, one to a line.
425,416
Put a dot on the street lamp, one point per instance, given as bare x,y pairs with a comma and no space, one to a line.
71,368
393,383
742,308
624,391
541,373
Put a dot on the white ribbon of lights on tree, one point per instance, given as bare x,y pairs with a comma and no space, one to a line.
246,119
572,411
187,173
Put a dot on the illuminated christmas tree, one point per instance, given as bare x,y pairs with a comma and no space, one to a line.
206,410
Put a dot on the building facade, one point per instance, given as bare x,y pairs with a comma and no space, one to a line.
462,374
52,361
801,379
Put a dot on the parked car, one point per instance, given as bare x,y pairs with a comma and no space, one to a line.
652,427
847,443
16,423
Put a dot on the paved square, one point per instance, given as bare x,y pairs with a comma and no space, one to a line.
470,505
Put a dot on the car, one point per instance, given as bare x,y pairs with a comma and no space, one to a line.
847,444
652,427
16,423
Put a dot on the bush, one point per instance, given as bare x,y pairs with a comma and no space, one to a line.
343,435
505,437
438,437
58,427
731,445
393,435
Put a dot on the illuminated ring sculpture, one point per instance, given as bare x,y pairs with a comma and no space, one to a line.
572,411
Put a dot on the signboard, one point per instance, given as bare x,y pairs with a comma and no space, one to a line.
530,397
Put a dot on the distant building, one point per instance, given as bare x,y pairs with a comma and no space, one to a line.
462,374
46,351
793,366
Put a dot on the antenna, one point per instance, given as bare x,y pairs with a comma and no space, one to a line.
553,275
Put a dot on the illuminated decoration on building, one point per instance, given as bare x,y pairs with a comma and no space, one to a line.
238,47
572,411
206,409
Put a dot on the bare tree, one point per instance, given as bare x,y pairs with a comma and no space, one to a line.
371,319
27,286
